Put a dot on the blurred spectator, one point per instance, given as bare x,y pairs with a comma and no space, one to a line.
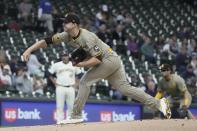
88,23
171,47
192,45
120,18
57,22
119,34
72,7
25,8
188,73
13,64
151,88
184,44
102,16
104,35
147,77
182,60
128,18
174,47
133,46
147,49
124,17
38,82
33,64
117,95
119,37
13,25
50,87
3,62
45,14
193,62
159,43
185,33
5,76
23,82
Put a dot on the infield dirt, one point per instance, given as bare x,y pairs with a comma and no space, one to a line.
144,125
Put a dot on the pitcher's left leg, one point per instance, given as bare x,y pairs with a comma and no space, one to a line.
119,81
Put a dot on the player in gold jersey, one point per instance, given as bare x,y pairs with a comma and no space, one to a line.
175,88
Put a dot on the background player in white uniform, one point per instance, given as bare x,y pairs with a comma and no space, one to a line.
64,82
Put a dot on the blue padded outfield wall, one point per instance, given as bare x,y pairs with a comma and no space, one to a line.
21,113
29,113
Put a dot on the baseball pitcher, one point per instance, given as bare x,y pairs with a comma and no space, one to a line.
104,63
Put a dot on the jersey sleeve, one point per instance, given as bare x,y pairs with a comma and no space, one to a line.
60,37
181,84
94,49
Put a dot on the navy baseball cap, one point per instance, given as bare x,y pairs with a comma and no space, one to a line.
64,53
71,17
165,67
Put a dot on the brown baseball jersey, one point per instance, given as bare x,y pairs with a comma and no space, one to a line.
87,40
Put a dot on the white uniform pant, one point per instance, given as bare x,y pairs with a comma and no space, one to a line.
64,94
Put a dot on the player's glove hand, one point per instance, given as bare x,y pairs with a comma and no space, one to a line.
184,107
78,55
183,111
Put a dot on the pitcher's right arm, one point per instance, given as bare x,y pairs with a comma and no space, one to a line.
55,39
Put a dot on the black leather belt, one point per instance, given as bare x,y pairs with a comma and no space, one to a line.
64,85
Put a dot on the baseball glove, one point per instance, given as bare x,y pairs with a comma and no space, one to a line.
183,112
78,55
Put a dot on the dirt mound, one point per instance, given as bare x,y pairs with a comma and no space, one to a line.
144,125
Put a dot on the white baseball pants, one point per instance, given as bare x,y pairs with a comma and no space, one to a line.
64,94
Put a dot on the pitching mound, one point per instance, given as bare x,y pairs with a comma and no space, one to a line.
145,125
